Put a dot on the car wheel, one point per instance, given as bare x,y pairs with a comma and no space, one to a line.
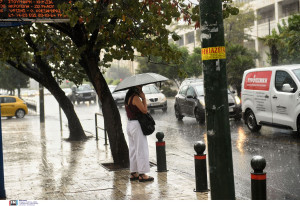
78,102
199,116
20,113
177,113
9,117
251,123
164,109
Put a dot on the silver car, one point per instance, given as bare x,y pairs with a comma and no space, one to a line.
155,98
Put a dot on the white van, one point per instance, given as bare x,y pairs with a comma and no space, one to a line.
271,97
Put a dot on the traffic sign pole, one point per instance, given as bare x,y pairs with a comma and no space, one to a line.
2,187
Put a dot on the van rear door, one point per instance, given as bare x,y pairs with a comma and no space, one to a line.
259,83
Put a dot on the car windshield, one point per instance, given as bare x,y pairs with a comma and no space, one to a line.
84,87
150,89
297,73
199,89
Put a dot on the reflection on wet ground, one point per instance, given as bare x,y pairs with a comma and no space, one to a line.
281,149
41,164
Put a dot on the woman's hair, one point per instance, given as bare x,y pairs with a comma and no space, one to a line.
130,92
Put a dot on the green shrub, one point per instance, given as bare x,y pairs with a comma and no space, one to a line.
109,81
115,82
168,92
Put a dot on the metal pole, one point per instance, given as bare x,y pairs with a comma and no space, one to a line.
42,106
60,119
96,126
2,187
161,153
216,101
105,134
258,178
200,167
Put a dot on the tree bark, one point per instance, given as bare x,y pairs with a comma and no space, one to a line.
89,59
274,55
112,119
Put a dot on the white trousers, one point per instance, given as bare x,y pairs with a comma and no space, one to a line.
138,148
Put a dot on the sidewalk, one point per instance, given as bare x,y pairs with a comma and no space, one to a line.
40,165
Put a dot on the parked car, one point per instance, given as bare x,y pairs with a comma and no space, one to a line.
82,93
13,106
119,96
155,98
190,101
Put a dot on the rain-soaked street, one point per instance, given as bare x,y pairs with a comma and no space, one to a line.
280,148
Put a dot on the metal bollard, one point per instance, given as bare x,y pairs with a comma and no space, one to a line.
200,167
258,178
161,153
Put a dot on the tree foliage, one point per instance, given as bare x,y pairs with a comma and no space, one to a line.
11,79
190,65
239,59
284,43
235,25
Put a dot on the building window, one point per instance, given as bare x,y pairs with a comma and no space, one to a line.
190,38
266,14
180,41
290,9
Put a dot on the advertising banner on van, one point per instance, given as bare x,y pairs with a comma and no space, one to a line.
258,80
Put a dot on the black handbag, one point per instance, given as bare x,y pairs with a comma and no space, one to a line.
147,123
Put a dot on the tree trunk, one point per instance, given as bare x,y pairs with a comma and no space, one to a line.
75,127
48,81
274,55
112,119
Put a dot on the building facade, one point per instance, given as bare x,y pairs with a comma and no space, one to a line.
269,13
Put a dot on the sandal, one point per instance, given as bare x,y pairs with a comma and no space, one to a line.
142,179
133,177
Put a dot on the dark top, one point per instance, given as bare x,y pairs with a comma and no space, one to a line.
131,110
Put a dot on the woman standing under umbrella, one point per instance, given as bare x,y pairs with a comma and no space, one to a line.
138,144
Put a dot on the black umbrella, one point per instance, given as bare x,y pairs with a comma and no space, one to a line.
140,79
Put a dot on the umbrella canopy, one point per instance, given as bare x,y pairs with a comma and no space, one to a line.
140,79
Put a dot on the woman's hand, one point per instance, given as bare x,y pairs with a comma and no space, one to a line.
142,95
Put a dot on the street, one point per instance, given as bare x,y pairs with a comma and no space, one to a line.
280,148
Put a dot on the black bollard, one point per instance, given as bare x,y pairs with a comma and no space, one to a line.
200,167
161,153
258,178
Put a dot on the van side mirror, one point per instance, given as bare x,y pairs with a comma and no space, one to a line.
287,88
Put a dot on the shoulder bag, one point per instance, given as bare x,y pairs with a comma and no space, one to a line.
146,121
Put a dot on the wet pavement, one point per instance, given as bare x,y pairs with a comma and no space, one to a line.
39,164
53,163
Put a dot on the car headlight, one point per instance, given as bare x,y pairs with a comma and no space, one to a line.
202,102
163,99
237,100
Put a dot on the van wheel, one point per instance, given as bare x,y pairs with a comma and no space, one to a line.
251,122
20,113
